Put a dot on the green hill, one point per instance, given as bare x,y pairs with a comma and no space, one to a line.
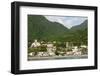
80,32
81,26
41,29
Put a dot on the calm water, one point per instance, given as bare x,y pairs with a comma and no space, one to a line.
58,57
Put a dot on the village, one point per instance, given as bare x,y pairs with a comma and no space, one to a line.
52,49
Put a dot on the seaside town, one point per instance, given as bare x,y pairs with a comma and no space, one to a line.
55,49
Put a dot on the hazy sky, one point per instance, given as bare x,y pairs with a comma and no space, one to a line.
67,21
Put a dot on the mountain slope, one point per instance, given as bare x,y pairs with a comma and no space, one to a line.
80,32
81,26
42,29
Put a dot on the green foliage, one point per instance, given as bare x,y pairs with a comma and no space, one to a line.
43,30
37,49
60,44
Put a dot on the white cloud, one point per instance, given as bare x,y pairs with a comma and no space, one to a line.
67,21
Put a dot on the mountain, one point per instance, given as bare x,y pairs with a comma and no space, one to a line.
42,29
81,26
80,32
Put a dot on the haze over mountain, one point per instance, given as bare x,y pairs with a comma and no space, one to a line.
41,29
67,21
81,26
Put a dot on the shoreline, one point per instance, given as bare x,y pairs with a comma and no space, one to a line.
58,57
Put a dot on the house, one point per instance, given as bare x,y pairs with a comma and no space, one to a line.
50,49
35,44
76,51
83,46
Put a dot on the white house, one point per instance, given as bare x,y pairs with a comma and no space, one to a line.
83,46
75,49
31,54
50,49
78,53
35,44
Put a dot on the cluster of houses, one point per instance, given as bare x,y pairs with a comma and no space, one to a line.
51,50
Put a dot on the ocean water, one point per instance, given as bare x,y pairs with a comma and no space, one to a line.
58,57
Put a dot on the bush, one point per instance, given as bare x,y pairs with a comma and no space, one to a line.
37,49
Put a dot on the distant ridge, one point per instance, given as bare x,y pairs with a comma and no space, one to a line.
41,29
81,26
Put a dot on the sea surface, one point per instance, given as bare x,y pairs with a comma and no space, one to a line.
58,57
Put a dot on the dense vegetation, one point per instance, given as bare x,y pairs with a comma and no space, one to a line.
41,29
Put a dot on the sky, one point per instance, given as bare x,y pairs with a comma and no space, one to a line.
67,21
